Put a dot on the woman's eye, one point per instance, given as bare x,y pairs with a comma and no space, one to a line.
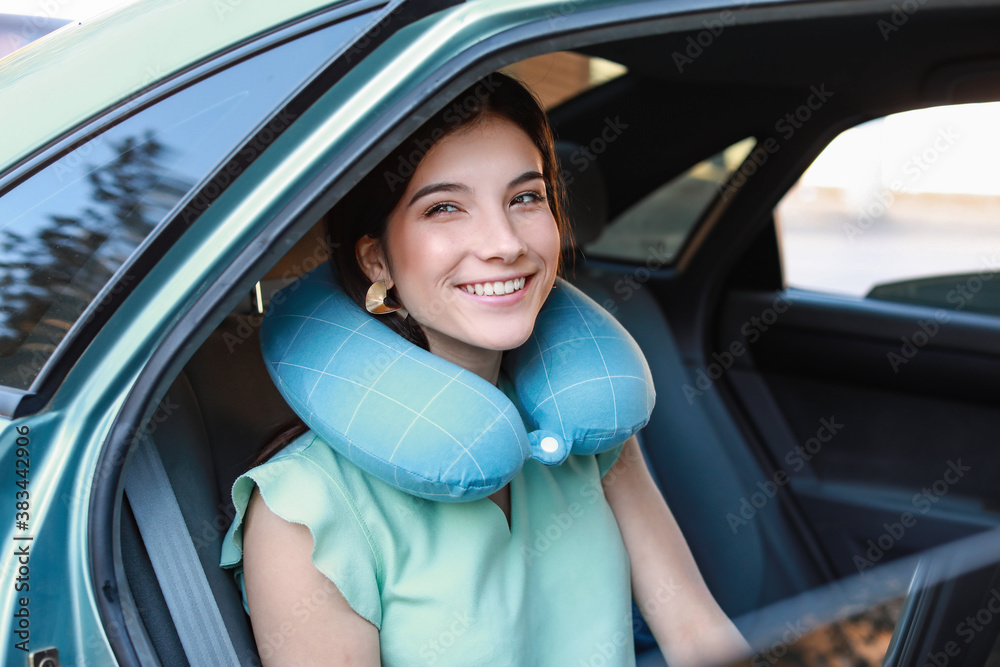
528,198
443,207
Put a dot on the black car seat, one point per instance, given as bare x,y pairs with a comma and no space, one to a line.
219,412
695,450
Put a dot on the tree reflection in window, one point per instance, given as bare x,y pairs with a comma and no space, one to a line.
51,270
71,227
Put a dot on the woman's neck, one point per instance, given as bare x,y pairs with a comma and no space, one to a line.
484,363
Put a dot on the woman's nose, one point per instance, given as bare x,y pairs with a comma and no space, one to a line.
500,237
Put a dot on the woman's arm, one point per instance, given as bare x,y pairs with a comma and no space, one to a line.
687,622
298,615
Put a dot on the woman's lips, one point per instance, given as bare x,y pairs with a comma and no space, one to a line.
517,295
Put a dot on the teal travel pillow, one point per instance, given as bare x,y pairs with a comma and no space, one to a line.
433,429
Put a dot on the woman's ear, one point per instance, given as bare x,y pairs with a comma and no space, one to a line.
371,259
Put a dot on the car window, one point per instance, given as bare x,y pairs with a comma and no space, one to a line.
66,231
903,208
656,227
560,76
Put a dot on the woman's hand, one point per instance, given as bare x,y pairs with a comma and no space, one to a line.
687,622
298,615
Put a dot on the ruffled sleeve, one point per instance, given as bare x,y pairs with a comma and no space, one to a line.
305,484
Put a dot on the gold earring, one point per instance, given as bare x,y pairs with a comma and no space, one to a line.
378,301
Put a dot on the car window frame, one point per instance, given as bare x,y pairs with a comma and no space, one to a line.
16,402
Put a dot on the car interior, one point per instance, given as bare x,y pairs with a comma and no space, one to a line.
725,422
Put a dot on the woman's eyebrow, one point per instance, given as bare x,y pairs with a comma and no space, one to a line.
438,187
524,178
461,187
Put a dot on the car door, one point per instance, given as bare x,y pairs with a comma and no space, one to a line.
300,175
84,219
871,393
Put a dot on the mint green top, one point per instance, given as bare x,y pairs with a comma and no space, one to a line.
450,583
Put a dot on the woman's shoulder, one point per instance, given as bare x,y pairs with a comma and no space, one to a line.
308,483
308,458
306,450
308,471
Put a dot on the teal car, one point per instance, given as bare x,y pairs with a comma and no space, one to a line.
166,167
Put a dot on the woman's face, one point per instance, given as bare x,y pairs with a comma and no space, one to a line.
472,245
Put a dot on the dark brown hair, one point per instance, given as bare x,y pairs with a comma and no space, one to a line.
366,208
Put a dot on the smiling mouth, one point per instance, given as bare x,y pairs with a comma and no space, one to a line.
498,288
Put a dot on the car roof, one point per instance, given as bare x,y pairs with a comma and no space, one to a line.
122,52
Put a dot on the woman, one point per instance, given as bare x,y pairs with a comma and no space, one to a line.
461,227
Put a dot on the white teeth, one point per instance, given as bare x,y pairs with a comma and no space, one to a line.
497,288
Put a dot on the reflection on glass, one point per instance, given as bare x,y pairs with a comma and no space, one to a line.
67,231
654,229
859,641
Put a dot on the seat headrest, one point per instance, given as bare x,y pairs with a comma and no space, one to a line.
586,195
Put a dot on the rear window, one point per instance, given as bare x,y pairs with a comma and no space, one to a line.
655,228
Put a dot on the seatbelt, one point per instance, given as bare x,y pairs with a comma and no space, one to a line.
182,579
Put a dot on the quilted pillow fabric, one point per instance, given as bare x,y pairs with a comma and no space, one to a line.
434,429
